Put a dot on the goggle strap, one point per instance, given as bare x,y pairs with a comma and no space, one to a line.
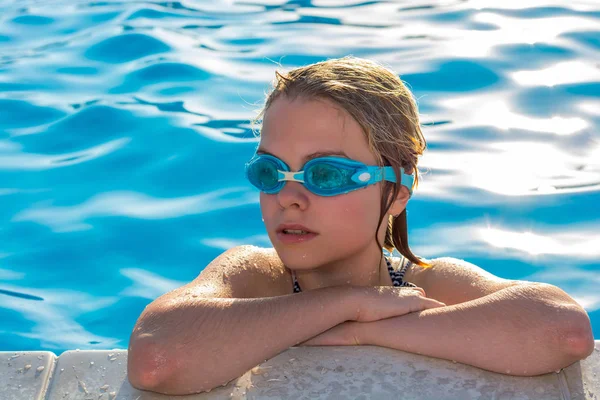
408,181
376,174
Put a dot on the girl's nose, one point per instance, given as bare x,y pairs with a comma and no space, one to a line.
293,193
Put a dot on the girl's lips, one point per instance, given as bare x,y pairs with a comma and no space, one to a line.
289,238
298,227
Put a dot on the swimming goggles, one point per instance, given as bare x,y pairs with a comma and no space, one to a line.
323,176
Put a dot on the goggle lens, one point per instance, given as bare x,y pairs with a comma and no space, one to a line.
263,174
327,177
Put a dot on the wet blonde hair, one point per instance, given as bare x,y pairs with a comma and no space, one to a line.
384,108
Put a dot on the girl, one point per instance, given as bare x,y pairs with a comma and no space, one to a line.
336,167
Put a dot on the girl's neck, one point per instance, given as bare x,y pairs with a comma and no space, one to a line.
367,269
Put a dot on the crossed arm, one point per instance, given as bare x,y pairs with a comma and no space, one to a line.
511,327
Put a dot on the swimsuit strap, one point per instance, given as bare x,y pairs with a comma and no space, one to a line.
296,286
396,276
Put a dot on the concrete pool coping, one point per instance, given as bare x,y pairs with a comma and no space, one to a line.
339,372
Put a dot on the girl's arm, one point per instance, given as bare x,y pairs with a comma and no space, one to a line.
526,329
183,345
235,315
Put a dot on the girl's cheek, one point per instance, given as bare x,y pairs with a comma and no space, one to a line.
266,207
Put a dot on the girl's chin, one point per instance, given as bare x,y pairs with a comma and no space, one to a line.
296,257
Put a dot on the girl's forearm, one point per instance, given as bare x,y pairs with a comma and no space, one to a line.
509,332
187,345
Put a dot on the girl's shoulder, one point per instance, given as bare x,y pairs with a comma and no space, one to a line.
453,281
245,272
269,275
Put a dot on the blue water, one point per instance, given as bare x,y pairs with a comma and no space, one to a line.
124,130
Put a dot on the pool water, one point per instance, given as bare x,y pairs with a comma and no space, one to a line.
124,128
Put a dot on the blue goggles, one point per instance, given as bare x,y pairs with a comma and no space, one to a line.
323,176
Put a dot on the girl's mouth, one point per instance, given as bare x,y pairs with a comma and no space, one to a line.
291,236
295,231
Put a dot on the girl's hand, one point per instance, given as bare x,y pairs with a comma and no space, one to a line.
344,334
373,303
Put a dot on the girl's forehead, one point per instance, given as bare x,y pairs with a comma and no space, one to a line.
293,129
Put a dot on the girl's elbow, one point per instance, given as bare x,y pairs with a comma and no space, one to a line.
580,344
146,365
577,337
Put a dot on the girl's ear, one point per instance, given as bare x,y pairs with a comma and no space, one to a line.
399,203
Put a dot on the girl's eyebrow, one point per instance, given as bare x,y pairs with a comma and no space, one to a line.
310,156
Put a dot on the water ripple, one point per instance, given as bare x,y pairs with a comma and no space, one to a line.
125,48
25,161
454,76
21,114
32,20
20,295
160,73
134,205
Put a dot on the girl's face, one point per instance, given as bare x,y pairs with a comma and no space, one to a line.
296,131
